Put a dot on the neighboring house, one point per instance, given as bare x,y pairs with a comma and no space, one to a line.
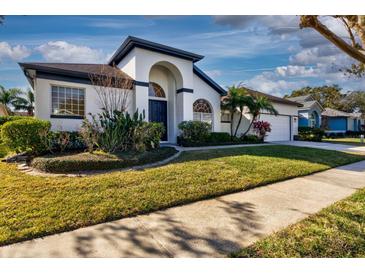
310,112
336,121
167,85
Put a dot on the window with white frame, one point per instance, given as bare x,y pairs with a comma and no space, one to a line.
202,111
68,101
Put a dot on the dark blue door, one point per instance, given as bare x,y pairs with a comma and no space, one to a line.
157,112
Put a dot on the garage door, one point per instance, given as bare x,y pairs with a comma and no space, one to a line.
280,127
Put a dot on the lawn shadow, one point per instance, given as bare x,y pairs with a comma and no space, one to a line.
163,234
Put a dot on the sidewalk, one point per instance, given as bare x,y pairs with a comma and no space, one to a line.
210,228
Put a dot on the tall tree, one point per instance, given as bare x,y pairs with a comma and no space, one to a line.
355,47
25,103
354,101
327,96
235,102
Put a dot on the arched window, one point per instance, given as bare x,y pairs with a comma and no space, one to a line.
155,90
202,111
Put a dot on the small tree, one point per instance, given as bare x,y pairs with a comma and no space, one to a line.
112,87
258,104
8,96
235,102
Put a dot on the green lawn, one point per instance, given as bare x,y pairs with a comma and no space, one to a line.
337,231
345,141
36,206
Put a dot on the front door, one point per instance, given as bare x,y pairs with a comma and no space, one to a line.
157,112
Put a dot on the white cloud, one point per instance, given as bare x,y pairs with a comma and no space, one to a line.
269,82
301,71
62,51
15,53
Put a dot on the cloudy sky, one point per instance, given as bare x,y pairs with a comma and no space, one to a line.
268,53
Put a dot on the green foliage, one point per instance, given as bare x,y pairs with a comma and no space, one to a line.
25,135
150,134
219,137
4,119
194,131
99,160
25,103
327,96
36,206
60,141
310,134
235,101
251,139
354,101
120,131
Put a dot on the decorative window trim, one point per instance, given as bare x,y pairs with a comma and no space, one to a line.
157,89
206,112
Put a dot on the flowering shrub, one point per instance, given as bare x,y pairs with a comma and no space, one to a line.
261,127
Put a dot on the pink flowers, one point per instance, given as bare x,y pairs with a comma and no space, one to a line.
261,127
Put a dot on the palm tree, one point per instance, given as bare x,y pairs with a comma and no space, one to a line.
235,101
258,104
8,96
27,103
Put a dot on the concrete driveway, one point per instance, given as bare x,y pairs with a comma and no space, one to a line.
210,228
324,145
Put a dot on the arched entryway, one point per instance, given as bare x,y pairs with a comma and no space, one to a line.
164,80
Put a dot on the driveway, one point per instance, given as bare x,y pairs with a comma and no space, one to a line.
324,145
210,228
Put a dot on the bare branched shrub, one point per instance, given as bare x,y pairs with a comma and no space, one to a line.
112,87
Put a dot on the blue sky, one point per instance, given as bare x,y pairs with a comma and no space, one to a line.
268,53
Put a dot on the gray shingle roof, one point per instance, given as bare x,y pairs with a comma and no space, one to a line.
273,98
330,112
74,69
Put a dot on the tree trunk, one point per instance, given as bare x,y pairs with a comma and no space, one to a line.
311,21
238,125
249,127
232,117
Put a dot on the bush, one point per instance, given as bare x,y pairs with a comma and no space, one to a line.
4,119
194,131
251,139
354,134
151,134
65,141
310,134
25,135
219,137
99,160
120,131
261,128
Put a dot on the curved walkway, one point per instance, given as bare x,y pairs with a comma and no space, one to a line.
210,228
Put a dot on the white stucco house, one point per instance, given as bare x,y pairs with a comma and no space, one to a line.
167,85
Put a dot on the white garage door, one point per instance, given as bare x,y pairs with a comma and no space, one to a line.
280,127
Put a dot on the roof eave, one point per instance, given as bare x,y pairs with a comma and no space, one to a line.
131,42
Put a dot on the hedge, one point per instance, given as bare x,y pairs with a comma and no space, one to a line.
219,139
99,160
310,134
4,119
25,135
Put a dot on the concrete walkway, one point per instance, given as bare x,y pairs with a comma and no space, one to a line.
324,145
210,228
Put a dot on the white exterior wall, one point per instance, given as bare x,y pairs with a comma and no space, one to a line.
43,103
204,91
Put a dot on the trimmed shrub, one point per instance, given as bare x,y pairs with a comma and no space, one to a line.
251,139
219,137
25,135
4,119
99,160
310,134
194,131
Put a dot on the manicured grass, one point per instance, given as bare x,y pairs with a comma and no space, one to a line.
337,231
344,141
99,160
36,206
